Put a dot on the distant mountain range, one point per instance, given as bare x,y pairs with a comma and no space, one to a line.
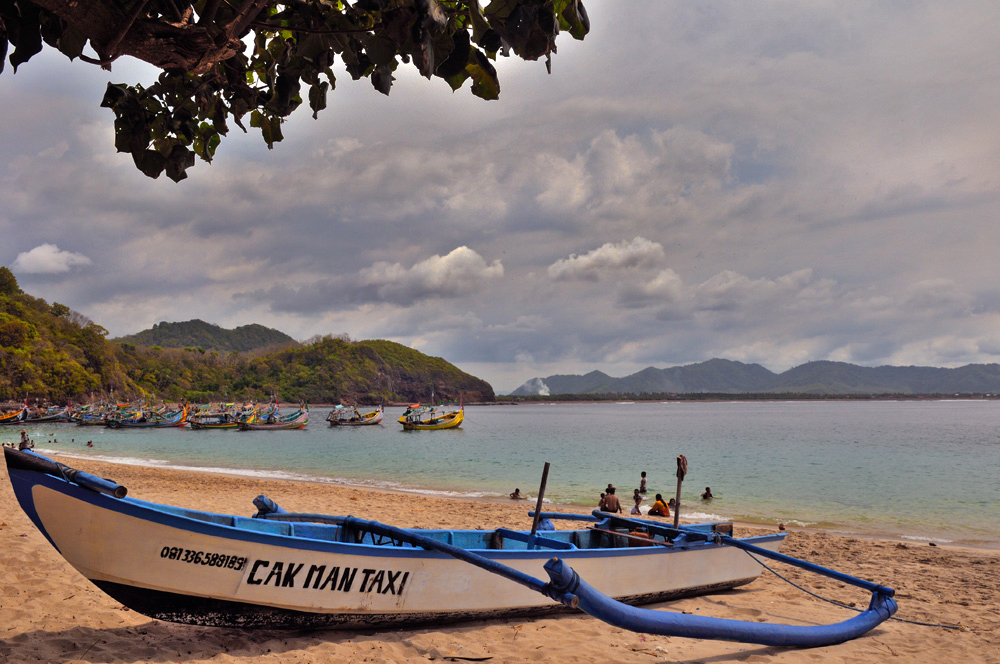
730,377
199,334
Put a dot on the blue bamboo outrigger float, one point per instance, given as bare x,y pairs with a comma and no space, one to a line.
280,569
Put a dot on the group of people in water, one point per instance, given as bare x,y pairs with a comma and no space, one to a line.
27,444
610,503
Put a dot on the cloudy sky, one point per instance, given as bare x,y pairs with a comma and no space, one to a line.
771,182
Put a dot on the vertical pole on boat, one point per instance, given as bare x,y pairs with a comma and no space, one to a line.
682,468
538,504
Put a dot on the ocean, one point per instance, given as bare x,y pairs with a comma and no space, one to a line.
920,470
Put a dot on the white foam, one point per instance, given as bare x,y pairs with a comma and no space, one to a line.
920,538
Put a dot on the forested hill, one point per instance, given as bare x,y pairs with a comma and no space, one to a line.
199,334
816,378
50,353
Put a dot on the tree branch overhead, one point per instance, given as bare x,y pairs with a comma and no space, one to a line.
223,60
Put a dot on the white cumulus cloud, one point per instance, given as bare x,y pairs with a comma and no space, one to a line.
48,259
457,273
638,252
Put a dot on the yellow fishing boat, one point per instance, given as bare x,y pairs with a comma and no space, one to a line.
419,417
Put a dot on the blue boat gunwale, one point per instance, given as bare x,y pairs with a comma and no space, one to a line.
282,533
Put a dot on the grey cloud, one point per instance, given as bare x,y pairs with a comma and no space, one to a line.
774,183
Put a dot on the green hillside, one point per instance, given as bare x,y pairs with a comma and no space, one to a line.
199,334
49,353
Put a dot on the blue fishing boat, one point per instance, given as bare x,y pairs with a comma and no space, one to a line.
147,419
280,569
274,421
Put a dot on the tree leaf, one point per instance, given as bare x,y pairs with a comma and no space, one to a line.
317,97
458,59
177,163
382,79
485,83
150,162
28,36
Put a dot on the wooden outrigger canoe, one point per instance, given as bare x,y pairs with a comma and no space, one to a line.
350,416
296,420
148,419
14,416
419,418
304,570
53,414
226,416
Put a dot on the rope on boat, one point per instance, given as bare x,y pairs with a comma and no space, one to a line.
841,604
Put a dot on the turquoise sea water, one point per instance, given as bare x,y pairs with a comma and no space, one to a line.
915,469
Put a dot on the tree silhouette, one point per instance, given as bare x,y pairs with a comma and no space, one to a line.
225,59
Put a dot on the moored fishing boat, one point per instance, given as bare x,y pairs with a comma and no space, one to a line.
295,420
417,417
97,414
351,416
277,569
147,419
51,414
224,416
14,416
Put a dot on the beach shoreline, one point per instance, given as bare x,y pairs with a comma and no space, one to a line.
53,614
767,523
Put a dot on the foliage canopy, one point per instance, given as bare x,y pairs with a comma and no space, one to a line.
50,353
225,59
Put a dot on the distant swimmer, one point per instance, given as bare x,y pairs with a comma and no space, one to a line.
708,494
516,495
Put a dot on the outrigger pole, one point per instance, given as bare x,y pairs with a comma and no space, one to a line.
566,586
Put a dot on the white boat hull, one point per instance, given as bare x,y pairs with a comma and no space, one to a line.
224,570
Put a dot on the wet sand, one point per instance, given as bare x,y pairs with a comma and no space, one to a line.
50,613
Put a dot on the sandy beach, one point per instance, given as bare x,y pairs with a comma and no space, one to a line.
49,613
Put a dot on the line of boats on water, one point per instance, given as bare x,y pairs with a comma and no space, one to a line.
246,417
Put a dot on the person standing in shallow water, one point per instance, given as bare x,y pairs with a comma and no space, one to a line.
642,482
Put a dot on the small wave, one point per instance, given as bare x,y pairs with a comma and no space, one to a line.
702,516
920,538
288,476
121,460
